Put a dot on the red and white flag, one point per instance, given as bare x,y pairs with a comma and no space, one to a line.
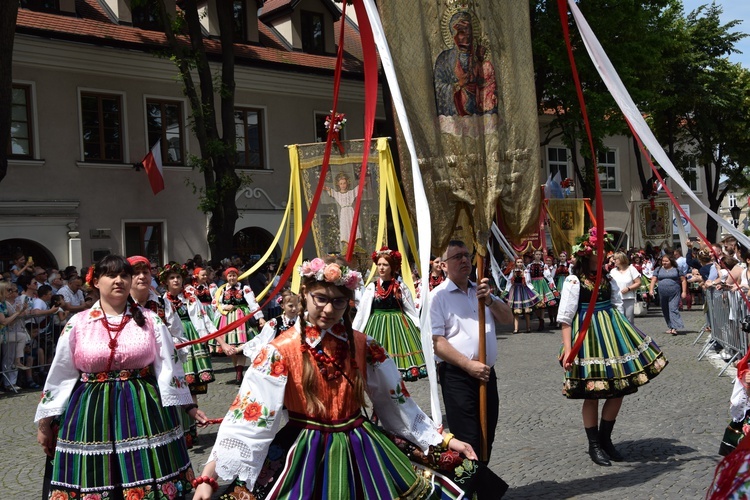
153,166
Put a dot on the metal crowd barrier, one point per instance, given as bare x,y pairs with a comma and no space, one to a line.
724,312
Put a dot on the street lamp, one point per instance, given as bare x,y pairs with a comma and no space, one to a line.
735,211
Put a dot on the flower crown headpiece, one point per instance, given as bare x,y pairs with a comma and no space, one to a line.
395,255
586,244
330,273
172,268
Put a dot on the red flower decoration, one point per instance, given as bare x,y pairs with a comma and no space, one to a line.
278,369
252,412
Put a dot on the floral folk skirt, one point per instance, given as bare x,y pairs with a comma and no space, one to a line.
615,357
241,334
548,296
116,438
401,340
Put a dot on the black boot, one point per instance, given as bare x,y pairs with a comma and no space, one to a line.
595,451
605,439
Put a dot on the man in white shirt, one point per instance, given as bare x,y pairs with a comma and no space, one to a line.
73,295
454,314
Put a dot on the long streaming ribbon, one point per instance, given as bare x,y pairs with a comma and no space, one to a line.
562,8
370,58
296,254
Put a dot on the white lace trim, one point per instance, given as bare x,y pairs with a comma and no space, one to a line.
183,398
234,458
618,360
105,447
47,412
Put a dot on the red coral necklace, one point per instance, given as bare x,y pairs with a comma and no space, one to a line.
383,293
330,367
176,301
114,333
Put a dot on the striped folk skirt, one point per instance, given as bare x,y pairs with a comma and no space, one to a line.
116,438
615,357
350,459
198,369
547,295
522,299
401,340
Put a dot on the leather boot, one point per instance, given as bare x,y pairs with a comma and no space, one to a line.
605,440
595,451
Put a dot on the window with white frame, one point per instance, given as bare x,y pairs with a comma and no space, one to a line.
692,176
21,144
145,238
164,122
102,127
248,124
558,160
607,165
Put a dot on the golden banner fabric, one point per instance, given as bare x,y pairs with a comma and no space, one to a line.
565,222
466,76
332,224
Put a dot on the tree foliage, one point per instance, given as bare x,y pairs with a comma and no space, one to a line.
702,114
634,35
213,126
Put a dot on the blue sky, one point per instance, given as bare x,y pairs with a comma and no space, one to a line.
733,9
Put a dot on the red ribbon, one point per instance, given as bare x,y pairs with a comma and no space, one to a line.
310,213
562,7
371,100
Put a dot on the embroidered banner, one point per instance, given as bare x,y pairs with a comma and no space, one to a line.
468,87
654,223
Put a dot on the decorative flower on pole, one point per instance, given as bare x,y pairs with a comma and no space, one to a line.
337,122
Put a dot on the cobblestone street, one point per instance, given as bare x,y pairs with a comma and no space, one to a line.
669,431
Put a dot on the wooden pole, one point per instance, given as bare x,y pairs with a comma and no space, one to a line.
482,359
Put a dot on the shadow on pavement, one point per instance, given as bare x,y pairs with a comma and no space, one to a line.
644,459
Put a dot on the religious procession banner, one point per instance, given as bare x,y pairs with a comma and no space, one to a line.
332,224
465,71
654,223
565,222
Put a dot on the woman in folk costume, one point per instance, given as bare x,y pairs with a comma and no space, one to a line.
187,310
323,445
145,296
237,302
386,312
615,357
204,291
522,298
562,270
542,287
117,391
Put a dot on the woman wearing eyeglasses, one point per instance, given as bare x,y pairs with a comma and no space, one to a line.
386,312
328,448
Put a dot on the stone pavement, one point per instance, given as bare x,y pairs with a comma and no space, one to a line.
669,431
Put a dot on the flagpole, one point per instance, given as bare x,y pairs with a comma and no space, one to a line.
482,359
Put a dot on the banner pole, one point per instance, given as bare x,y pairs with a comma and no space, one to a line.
482,359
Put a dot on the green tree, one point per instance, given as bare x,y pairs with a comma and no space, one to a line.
634,35
8,17
701,114
217,150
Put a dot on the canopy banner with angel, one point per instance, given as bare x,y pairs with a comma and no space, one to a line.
467,83
655,222
332,224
